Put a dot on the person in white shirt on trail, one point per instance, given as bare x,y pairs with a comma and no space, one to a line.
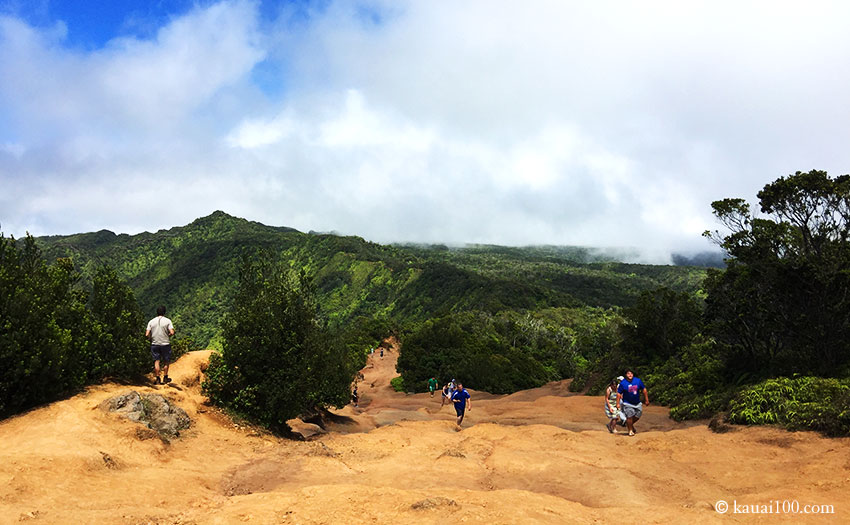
159,331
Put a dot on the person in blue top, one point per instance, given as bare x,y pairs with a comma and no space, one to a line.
462,402
628,399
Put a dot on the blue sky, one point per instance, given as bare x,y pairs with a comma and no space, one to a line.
91,25
600,124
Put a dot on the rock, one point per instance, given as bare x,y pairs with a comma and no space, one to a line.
452,453
719,424
108,461
152,409
162,416
128,405
433,503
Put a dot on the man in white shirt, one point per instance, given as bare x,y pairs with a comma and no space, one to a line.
159,331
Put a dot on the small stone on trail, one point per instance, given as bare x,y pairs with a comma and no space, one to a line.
433,503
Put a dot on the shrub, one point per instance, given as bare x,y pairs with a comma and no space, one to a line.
51,343
117,348
278,360
398,384
802,403
701,406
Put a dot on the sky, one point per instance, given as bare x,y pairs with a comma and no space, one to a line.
603,124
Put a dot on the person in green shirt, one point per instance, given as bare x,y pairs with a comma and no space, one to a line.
432,385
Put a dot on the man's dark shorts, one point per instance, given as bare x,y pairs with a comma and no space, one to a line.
161,353
459,409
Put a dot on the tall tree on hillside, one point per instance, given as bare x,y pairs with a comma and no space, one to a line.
783,304
278,360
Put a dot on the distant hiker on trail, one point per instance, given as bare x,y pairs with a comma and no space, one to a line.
432,385
462,402
611,411
628,399
382,352
354,396
159,331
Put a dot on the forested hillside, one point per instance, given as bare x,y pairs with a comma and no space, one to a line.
763,340
193,270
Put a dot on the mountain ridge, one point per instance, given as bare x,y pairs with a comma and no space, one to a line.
193,269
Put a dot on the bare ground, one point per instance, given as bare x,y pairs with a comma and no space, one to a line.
540,455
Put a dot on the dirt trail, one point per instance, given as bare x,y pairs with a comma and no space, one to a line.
540,456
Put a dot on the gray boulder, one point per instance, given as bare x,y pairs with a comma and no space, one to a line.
128,405
152,410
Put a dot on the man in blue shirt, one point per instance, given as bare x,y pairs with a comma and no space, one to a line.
628,399
462,403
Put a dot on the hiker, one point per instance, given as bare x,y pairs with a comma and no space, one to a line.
382,352
628,399
354,396
432,385
462,402
447,394
611,411
159,331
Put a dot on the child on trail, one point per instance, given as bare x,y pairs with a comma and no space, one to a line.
611,411
447,394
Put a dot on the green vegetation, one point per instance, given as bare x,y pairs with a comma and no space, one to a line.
56,337
537,314
783,305
193,270
781,308
398,384
803,403
278,360
498,318
508,351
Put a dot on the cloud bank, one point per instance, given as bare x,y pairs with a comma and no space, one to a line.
488,122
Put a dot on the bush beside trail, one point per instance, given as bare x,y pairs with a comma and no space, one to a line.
801,403
278,360
55,336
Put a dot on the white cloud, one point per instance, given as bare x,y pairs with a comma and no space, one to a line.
256,133
557,122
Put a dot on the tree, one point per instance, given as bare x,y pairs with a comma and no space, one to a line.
659,326
783,304
118,349
468,347
33,345
51,344
278,361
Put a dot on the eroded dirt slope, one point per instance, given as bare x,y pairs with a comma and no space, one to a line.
541,455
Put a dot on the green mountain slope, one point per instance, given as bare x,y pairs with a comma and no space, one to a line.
193,270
